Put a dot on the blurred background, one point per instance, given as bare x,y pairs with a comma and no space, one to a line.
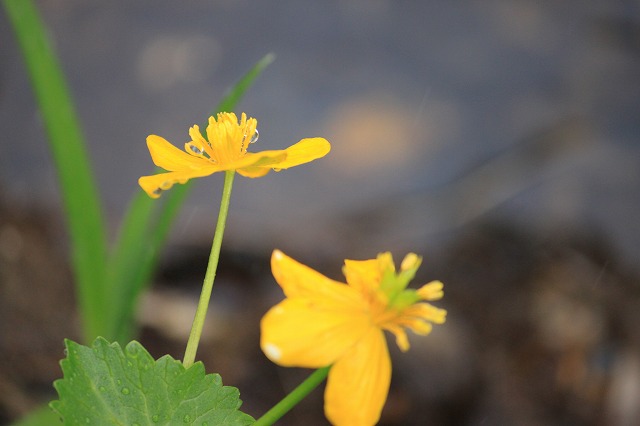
497,138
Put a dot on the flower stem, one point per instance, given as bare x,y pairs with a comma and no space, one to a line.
207,286
291,400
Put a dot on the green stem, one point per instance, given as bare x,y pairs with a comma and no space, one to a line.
207,286
291,400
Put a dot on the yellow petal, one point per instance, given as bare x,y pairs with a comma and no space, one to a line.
310,332
154,185
254,172
358,383
171,158
259,164
257,159
363,275
303,152
298,280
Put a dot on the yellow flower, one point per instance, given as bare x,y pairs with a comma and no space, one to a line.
324,322
225,149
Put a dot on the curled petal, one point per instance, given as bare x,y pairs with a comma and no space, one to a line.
154,185
310,332
260,163
254,172
171,158
303,152
258,159
358,383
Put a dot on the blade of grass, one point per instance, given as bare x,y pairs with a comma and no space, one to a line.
146,226
136,254
41,416
79,191
237,91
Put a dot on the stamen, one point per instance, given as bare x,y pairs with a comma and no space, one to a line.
418,326
431,291
411,261
401,336
253,139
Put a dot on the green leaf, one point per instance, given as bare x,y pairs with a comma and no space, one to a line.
41,416
104,385
79,191
146,226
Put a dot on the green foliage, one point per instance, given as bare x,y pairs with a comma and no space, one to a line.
79,190
104,385
108,282
146,226
41,416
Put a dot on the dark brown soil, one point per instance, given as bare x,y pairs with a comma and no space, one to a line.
541,331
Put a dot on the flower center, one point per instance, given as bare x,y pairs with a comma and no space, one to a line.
229,137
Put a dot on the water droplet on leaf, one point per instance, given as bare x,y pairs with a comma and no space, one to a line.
125,391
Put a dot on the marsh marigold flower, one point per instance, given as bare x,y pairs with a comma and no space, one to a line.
225,148
324,322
